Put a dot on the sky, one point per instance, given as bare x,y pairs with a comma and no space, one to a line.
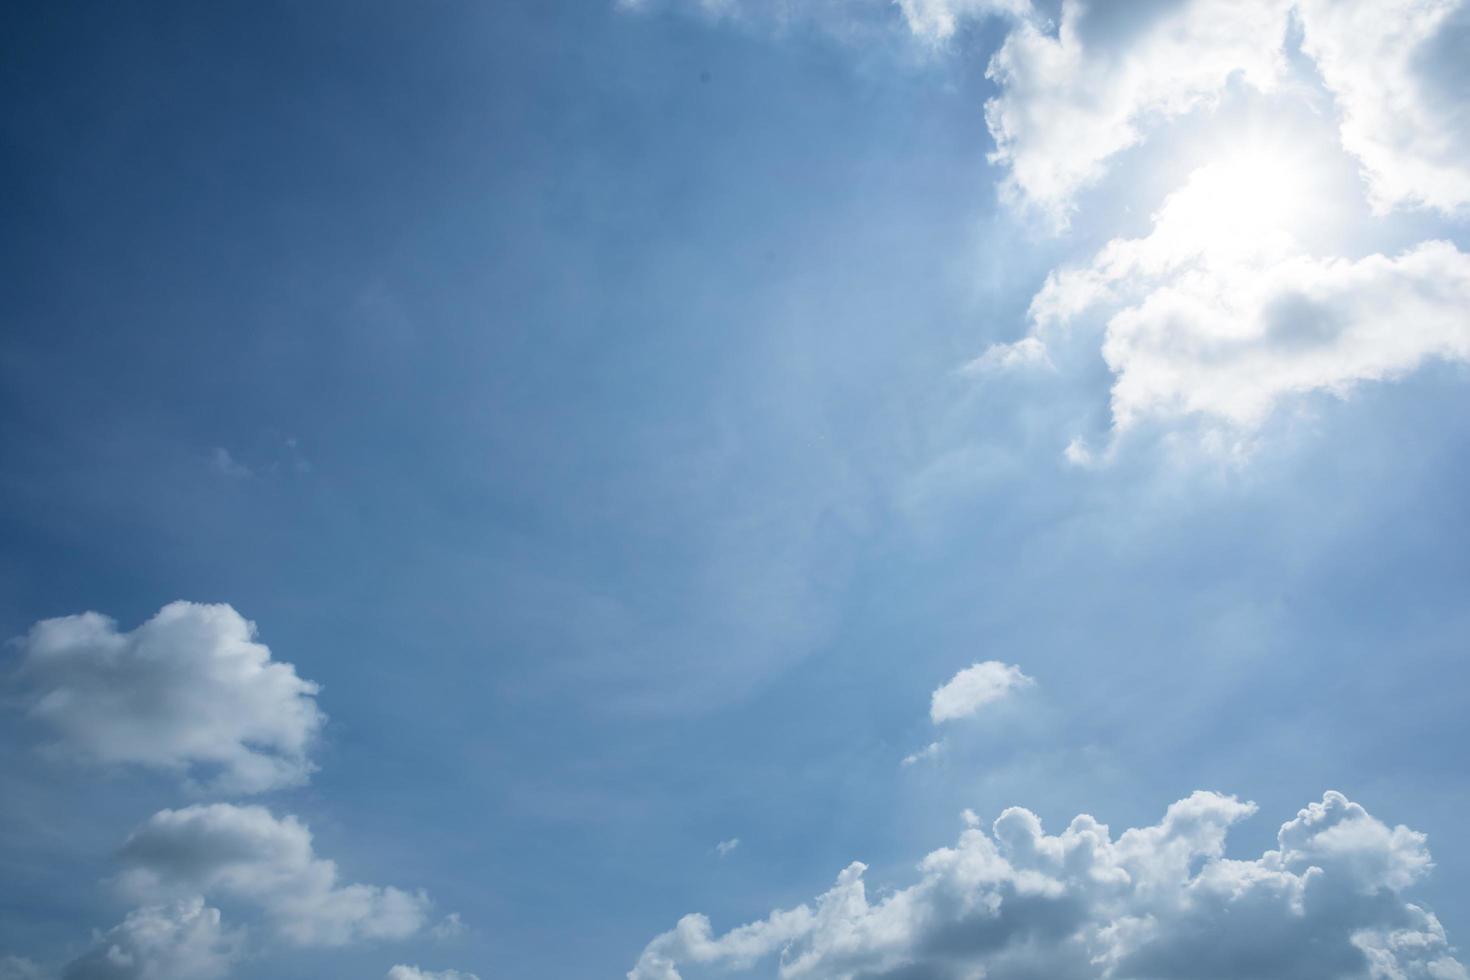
674,489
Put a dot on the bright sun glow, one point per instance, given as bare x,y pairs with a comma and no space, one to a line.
1252,200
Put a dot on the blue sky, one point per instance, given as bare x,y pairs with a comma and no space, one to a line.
619,421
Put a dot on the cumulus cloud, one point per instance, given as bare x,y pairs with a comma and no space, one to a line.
1396,69
181,941
1160,901
414,973
975,687
1219,314
247,854
1072,98
1068,104
190,691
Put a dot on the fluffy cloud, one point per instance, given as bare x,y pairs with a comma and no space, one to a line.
975,687
1073,98
414,973
245,853
1067,104
182,941
1160,901
190,691
1219,314
1396,68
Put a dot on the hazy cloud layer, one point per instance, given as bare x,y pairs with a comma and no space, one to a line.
1160,901
247,854
190,691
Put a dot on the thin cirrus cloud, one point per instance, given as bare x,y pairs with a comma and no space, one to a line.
1158,901
191,692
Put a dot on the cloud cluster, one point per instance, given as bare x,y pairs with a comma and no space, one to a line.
1075,94
247,854
1219,314
190,691
1066,104
161,942
1160,901
1077,91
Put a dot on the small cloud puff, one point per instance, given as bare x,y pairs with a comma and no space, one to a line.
449,927
724,847
402,972
1028,353
1157,901
190,691
931,751
973,688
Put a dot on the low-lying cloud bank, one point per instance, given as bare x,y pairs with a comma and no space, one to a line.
1161,902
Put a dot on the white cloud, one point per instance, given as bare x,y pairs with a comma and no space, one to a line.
975,687
414,973
182,941
1160,901
1068,104
449,927
724,847
1028,353
1219,314
1396,68
246,853
931,751
189,691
